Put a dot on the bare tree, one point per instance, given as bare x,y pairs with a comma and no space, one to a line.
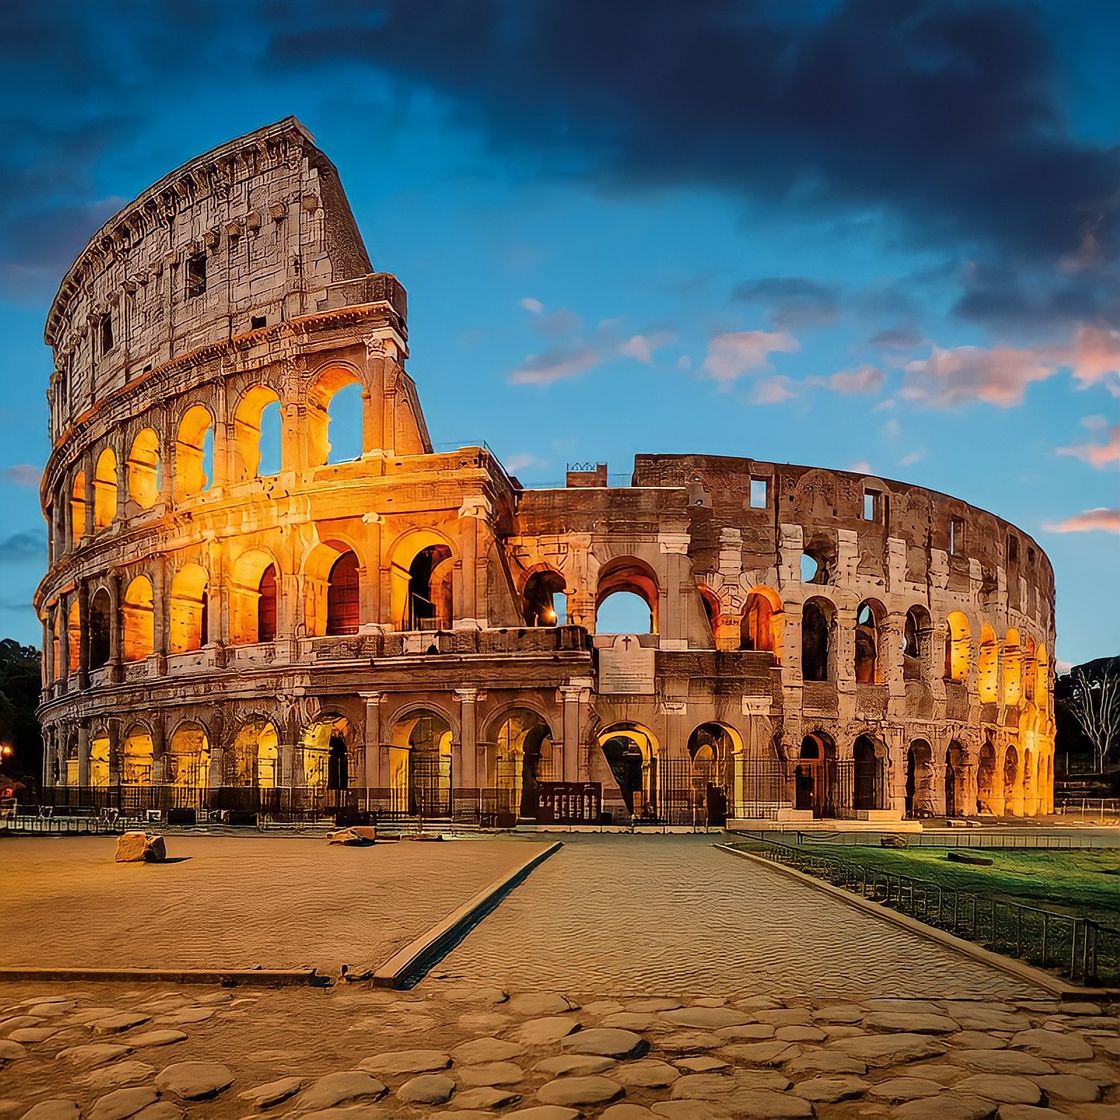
1095,704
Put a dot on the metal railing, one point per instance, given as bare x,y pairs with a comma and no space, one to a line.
1079,948
1088,806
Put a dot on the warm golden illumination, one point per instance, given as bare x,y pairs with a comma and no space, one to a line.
248,418
138,621
138,758
143,469
189,616
189,752
987,666
253,760
99,761
326,753
958,642
105,489
191,447
78,509
249,605
1012,668
761,627
319,401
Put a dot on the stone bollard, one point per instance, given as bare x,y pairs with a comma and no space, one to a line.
140,847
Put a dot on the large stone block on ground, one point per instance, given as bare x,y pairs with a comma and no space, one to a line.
356,836
140,847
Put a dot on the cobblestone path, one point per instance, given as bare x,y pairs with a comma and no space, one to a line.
649,915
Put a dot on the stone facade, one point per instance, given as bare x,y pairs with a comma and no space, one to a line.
414,631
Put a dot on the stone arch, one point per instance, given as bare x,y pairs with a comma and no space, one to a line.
143,469
628,751
544,598
869,785
421,569
138,629
189,614
77,509
256,418
713,609
631,576
194,452
958,642
74,635
253,758
916,634
1012,667
870,656
818,616
989,790
325,387
520,753
327,743
1012,782
105,489
100,628
761,626
920,785
188,753
956,779
332,578
815,775
138,755
253,597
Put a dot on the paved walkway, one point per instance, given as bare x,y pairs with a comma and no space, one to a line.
233,901
671,914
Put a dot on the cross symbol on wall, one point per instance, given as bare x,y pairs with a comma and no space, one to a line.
626,642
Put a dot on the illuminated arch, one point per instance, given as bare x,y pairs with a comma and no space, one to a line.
917,630
332,577
253,596
987,666
99,750
421,581
189,754
138,620
137,757
629,750
958,641
420,762
761,627
869,654
78,509
256,419
194,453
74,635
1012,667
254,758
143,469
327,743
105,489
1012,782
189,616
544,599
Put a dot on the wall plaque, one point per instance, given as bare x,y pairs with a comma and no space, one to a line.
626,667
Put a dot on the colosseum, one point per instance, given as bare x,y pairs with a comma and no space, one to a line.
241,614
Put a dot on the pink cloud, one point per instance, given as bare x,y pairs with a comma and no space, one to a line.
865,379
1097,454
642,347
773,390
733,353
21,474
1095,357
1092,520
998,376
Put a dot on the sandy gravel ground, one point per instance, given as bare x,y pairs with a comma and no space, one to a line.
233,902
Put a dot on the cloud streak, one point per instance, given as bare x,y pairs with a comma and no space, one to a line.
1091,521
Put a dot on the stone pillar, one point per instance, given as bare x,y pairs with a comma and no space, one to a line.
672,617
468,606
88,468
83,754
374,776
571,695
115,750
468,739
114,626
370,606
46,664
888,652
842,650
63,637
159,752
83,635
293,447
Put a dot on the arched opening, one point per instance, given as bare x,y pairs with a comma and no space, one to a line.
253,759
1012,667
424,743
989,799
252,599
868,775
78,509
545,603
915,643
100,628
143,469
189,621
1030,670
523,756
816,643
138,630
711,748
74,636
256,434
335,418
189,752
919,781
958,639
105,489
343,603
870,615
629,751
761,626
1042,682
429,589
326,753
712,610
956,780
99,747
1030,801
987,666
194,453
1012,793
814,776
137,758
631,586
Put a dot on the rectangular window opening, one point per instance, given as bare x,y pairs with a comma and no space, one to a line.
196,275
106,333
257,322
956,536
872,505
759,493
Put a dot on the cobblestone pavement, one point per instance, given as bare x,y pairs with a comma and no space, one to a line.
233,901
110,1052
647,914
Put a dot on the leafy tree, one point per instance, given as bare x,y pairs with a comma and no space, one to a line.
20,685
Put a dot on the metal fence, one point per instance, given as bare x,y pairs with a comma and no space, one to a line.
1101,807
984,837
1079,948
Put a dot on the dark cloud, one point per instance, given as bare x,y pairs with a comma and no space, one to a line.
792,301
21,547
944,114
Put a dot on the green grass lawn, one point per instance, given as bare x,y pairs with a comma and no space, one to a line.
1085,881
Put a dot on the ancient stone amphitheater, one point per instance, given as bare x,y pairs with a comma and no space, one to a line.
239,617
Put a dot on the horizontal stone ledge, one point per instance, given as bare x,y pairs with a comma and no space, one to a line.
255,977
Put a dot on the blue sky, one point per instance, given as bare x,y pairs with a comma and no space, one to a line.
878,233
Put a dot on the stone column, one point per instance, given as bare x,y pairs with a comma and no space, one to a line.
672,620
468,608
63,638
114,626
83,754
83,635
88,467
468,739
571,695
375,776
115,749
842,650
46,665
370,607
